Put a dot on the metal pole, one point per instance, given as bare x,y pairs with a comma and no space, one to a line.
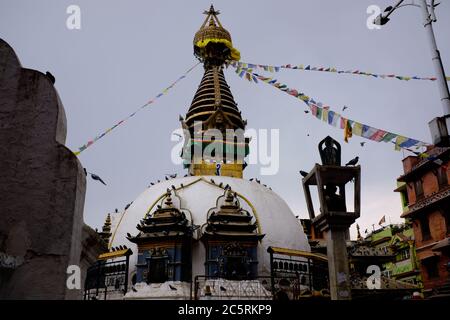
436,57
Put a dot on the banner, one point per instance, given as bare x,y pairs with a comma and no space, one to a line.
98,137
350,127
244,65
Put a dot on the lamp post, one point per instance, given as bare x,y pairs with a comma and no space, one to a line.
334,219
438,126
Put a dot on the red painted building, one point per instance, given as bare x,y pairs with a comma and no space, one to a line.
426,191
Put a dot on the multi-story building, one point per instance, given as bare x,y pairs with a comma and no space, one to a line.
426,193
399,240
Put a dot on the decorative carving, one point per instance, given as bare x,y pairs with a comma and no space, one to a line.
330,154
429,201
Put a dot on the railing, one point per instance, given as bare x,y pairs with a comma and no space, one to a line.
106,278
256,288
312,275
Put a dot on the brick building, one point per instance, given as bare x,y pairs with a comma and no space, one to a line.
426,192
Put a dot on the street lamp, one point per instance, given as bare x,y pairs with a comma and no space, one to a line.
438,126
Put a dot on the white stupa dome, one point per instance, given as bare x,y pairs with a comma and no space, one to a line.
198,194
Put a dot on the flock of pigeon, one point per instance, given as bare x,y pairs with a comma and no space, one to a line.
352,162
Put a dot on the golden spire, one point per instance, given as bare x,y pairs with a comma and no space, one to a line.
213,106
212,42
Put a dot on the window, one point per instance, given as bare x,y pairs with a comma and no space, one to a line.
418,188
403,255
431,267
425,228
405,199
442,177
158,266
235,262
387,273
446,215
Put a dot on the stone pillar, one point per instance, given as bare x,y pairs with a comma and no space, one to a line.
42,187
338,268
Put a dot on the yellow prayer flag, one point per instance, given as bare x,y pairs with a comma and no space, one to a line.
325,115
347,131
357,129
398,141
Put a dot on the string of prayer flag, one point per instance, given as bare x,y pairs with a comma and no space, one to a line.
104,133
269,68
326,114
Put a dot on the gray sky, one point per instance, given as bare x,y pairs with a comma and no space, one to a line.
128,51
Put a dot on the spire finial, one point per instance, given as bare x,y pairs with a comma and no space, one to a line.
211,11
359,237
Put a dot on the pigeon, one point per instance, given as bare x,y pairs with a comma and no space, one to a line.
259,181
185,175
127,206
172,287
345,107
213,181
362,144
167,178
128,235
173,187
96,177
251,179
303,173
181,185
173,176
116,210
307,135
159,181
50,77
306,111
151,183
352,162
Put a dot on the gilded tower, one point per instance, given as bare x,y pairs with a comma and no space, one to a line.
214,128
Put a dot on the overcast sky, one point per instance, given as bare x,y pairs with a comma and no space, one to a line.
128,51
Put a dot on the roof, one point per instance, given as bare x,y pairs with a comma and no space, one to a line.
427,254
297,253
425,164
115,254
441,244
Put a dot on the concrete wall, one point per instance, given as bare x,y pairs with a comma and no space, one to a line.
42,186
